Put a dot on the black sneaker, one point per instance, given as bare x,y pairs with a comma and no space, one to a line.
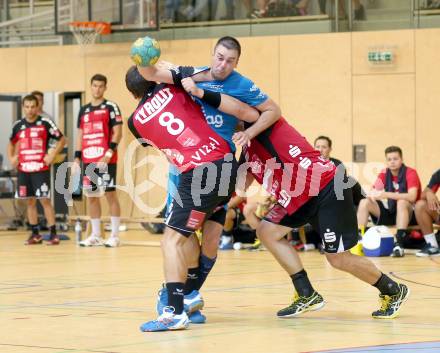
391,303
428,250
302,304
398,251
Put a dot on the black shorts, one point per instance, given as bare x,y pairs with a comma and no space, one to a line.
200,194
358,194
218,215
334,220
388,218
35,184
95,179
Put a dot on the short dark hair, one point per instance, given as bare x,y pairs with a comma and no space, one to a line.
229,43
37,93
99,77
30,98
392,149
324,138
136,83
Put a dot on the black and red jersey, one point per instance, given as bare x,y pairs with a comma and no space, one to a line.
169,119
96,123
32,142
287,166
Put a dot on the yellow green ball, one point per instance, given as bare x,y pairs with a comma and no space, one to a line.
145,51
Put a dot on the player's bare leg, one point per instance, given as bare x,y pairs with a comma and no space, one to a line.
425,218
306,298
115,217
32,214
173,316
94,210
49,213
366,207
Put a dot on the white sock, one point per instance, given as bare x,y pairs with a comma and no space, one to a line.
226,238
431,240
115,225
96,227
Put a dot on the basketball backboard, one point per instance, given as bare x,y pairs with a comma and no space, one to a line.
124,15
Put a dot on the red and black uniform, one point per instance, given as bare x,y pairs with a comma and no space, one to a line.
96,123
434,185
291,170
406,179
32,140
168,119
434,182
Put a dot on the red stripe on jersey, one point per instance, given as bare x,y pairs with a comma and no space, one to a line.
287,166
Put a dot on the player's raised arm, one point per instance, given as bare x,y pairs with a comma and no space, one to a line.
222,102
270,113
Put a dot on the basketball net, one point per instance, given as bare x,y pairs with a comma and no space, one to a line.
85,33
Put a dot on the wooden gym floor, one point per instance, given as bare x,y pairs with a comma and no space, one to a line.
67,299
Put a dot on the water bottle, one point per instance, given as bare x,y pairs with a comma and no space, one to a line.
78,231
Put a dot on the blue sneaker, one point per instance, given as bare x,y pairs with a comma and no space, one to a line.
197,317
166,322
162,300
193,302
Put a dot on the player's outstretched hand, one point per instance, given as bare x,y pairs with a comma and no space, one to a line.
190,86
165,65
241,138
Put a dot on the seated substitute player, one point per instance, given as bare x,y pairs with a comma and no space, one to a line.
305,188
392,199
428,211
192,146
28,151
324,145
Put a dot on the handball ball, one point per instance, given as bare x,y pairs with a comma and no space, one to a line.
145,51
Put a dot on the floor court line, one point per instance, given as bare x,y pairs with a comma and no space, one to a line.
419,347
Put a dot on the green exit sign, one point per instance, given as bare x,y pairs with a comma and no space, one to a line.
380,57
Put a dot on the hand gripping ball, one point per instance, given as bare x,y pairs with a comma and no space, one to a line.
145,51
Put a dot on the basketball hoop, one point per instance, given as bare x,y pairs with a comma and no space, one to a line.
86,32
